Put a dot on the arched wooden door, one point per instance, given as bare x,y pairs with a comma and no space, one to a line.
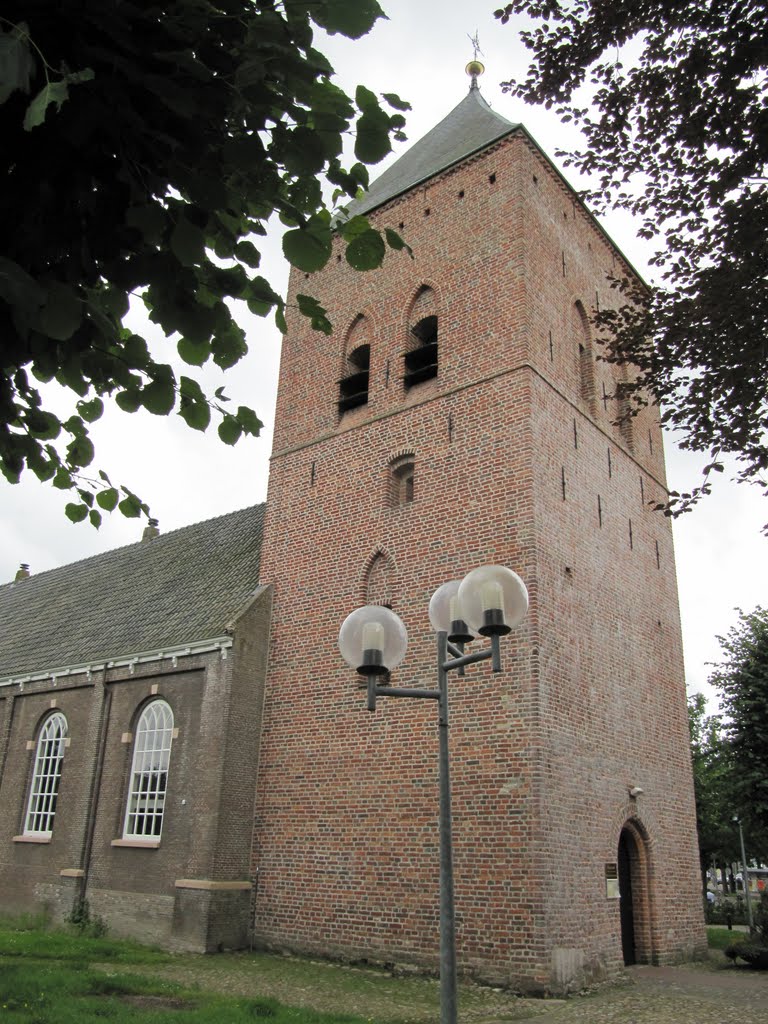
634,890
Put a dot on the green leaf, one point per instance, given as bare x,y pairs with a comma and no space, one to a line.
91,411
159,396
43,468
352,18
130,506
196,415
95,518
135,352
394,101
42,425
196,353
189,388
394,241
62,313
80,452
310,307
128,401
247,253
352,228
366,100
282,326
76,513
107,499
308,249
372,142
230,430
63,479
187,243
249,421
260,296
52,92
366,251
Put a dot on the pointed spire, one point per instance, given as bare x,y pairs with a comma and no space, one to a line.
475,68
469,127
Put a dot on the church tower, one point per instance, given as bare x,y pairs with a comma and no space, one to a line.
457,416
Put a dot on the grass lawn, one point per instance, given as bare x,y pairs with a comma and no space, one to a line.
719,938
59,977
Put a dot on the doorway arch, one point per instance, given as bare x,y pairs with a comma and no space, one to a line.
634,870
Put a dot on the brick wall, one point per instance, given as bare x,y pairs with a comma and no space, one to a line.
193,889
591,699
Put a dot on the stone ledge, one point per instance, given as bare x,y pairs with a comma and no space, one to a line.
138,844
31,839
209,886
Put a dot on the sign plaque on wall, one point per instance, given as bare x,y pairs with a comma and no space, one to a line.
612,881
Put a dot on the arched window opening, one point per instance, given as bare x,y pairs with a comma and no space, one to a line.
353,389
402,480
149,772
421,360
43,795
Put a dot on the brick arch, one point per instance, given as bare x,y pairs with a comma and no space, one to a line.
378,579
358,332
584,356
420,298
639,843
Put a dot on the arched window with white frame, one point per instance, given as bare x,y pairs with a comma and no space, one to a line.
44,792
149,772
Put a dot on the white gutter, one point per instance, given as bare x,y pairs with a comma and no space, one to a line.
219,643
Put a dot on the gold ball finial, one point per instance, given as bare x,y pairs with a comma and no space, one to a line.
474,68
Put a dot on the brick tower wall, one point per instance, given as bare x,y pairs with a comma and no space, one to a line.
345,846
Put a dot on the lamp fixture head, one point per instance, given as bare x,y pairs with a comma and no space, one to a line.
635,792
445,614
493,599
373,640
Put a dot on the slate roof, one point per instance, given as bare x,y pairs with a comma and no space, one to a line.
470,127
178,588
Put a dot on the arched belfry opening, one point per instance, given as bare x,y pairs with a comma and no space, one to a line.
634,870
421,350
353,386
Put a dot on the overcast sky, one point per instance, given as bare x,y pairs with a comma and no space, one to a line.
420,53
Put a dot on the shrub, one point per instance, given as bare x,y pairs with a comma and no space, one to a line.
86,923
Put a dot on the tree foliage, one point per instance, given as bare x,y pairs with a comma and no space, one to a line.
742,679
674,110
711,763
145,147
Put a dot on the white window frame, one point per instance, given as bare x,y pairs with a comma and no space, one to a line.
46,776
148,785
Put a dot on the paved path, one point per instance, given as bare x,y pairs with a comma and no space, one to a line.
671,995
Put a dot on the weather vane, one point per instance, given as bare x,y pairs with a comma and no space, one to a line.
475,67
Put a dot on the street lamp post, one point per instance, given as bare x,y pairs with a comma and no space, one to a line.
745,873
489,601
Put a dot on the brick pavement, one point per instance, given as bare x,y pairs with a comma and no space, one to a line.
669,995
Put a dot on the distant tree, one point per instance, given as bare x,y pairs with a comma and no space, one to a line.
145,145
672,99
718,840
742,679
